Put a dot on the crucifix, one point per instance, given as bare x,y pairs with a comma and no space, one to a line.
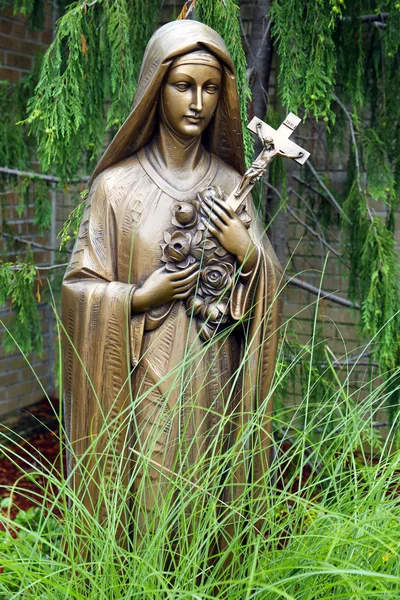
275,143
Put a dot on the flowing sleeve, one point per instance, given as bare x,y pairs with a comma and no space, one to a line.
96,316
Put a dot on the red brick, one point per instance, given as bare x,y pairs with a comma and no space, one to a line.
9,74
31,398
5,26
7,11
7,407
37,360
47,37
9,43
8,379
26,374
21,389
19,60
12,363
42,256
29,47
19,29
48,21
41,370
6,315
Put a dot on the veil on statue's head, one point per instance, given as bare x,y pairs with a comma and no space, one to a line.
223,135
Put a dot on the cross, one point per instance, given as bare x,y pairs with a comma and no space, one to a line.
276,142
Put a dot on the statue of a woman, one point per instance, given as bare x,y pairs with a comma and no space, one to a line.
143,351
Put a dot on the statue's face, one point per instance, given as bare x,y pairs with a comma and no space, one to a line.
190,96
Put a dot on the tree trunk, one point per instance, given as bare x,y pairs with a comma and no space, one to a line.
259,48
259,58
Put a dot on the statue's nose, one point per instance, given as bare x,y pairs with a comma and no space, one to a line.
197,100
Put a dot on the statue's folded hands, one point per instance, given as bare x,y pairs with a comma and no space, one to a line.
163,286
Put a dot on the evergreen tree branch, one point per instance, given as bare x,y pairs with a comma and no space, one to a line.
320,292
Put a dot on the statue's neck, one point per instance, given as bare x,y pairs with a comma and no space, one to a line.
180,161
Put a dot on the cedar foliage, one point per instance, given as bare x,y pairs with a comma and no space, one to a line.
326,49
224,18
87,81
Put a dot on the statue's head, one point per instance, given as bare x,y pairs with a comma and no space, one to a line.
183,58
190,93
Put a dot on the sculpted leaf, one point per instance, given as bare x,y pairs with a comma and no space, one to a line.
197,238
197,253
209,245
221,251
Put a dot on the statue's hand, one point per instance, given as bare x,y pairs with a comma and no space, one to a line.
225,225
163,286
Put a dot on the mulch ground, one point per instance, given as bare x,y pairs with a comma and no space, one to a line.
29,444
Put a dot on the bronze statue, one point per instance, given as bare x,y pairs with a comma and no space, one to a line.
164,269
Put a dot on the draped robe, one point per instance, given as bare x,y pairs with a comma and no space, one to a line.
138,385
124,368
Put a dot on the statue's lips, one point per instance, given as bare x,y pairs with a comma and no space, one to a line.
194,119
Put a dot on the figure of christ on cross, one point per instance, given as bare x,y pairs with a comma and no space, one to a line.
275,143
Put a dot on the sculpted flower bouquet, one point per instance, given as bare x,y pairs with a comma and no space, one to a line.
191,243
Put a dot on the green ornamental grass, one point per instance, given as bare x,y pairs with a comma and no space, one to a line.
323,522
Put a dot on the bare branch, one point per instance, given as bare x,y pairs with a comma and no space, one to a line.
304,201
353,140
309,186
312,231
331,198
32,243
356,154
86,5
264,38
299,220
33,175
377,18
40,268
319,292
52,267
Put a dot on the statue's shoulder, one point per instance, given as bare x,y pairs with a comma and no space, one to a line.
225,176
121,174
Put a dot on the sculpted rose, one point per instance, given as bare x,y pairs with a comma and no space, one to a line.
216,277
184,214
177,246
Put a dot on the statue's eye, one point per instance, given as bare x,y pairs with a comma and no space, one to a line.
182,86
211,89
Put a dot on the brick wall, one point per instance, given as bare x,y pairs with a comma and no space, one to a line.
18,384
338,325
19,45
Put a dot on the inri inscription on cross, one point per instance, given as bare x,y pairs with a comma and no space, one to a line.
275,142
